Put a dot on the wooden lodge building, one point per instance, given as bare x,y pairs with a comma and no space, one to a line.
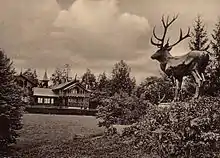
27,84
67,94
70,94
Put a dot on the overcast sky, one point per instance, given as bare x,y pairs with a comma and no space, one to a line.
95,34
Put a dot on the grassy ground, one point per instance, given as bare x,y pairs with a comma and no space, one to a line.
54,128
51,135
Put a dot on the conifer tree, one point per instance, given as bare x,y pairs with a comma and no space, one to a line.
215,43
10,103
103,83
199,36
199,41
214,67
89,80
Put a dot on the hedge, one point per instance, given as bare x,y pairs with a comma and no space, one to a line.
61,111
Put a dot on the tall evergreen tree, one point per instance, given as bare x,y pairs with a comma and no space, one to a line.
199,41
10,103
103,83
214,67
121,79
89,80
215,43
199,36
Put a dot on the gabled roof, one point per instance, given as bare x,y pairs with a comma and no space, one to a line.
63,85
68,85
44,92
75,85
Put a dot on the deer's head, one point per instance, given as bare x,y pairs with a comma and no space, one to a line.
163,52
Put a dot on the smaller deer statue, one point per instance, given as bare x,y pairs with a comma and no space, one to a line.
176,67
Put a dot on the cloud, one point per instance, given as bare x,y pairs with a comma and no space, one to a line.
65,4
23,25
99,31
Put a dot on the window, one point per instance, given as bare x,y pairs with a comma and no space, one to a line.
40,100
47,100
52,101
74,91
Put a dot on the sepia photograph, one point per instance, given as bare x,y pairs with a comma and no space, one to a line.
109,79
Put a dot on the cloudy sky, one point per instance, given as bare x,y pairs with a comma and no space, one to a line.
95,34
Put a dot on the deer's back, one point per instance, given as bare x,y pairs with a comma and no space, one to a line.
183,65
201,59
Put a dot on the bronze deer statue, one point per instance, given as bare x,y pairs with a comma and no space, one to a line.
176,67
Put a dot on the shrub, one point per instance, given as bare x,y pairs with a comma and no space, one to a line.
154,88
121,109
184,130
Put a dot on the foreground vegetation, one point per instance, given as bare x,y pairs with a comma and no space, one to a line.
186,129
56,136
11,103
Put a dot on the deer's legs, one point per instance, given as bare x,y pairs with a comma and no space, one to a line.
197,73
203,77
177,90
198,80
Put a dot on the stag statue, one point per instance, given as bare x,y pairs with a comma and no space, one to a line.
176,67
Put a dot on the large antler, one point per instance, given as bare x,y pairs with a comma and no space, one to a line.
165,25
181,37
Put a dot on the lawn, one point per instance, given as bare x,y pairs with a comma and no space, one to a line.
54,128
47,135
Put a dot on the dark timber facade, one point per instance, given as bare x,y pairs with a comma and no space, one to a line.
69,94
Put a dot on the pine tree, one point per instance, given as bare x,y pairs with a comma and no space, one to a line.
199,39
121,80
103,83
89,80
216,41
10,103
214,67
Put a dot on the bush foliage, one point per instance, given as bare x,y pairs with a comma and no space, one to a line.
184,130
156,89
121,109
